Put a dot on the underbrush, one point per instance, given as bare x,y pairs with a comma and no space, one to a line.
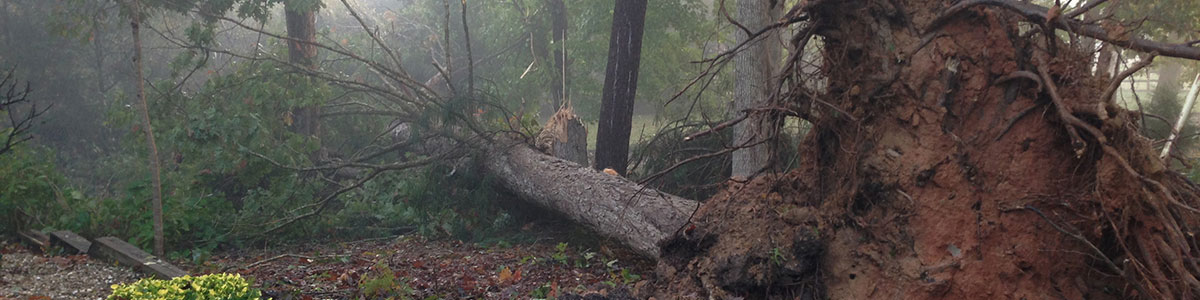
696,168
444,200
214,286
450,200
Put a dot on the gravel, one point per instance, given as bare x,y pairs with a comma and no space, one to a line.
25,275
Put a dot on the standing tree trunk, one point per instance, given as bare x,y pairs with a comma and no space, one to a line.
1106,61
558,40
1168,86
302,50
156,201
753,69
620,85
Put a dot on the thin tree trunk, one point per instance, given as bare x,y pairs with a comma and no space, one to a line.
302,50
156,201
98,51
620,85
1088,45
558,40
1106,61
470,56
1168,85
753,69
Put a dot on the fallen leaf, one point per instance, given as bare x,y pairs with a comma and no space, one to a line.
553,290
506,275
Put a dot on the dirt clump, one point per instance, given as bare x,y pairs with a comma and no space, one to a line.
750,239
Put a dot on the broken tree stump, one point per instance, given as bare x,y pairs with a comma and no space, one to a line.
112,248
565,137
70,241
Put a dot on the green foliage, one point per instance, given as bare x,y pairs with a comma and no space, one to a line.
223,141
560,253
1171,18
213,286
220,147
776,256
381,283
441,200
32,191
541,292
669,45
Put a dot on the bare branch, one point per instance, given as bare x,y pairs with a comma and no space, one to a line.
1115,84
1038,14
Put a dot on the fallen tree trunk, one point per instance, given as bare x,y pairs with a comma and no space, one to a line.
638,216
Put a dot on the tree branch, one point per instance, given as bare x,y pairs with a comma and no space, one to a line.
1038,14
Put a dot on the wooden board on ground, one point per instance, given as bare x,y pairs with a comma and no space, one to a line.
112,248
36,239
70,241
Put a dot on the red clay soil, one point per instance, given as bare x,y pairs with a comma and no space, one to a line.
928,193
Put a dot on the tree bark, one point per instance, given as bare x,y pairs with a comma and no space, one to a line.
558,40
620,85
753,69
638,216
302,50
1106,61
156,180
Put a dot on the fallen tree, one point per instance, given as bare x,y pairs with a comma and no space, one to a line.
925,174
638,216
438,123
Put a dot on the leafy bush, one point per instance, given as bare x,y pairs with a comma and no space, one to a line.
213,286
32,192
441,200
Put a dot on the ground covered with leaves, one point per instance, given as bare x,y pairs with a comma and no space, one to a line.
415,267
27,275
401,267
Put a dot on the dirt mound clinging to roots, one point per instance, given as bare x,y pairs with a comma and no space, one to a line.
750,239
964,161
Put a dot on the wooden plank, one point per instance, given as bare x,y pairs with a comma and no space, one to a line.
115,249
36,239
70,241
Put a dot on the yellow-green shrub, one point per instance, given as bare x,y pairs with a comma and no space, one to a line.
213,286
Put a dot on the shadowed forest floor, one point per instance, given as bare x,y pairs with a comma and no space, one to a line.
406,267
419,268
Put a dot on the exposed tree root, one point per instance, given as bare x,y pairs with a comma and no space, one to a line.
909,186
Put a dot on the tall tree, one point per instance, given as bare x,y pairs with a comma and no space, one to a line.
156,201
620,85
753,69
302,50
558,39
